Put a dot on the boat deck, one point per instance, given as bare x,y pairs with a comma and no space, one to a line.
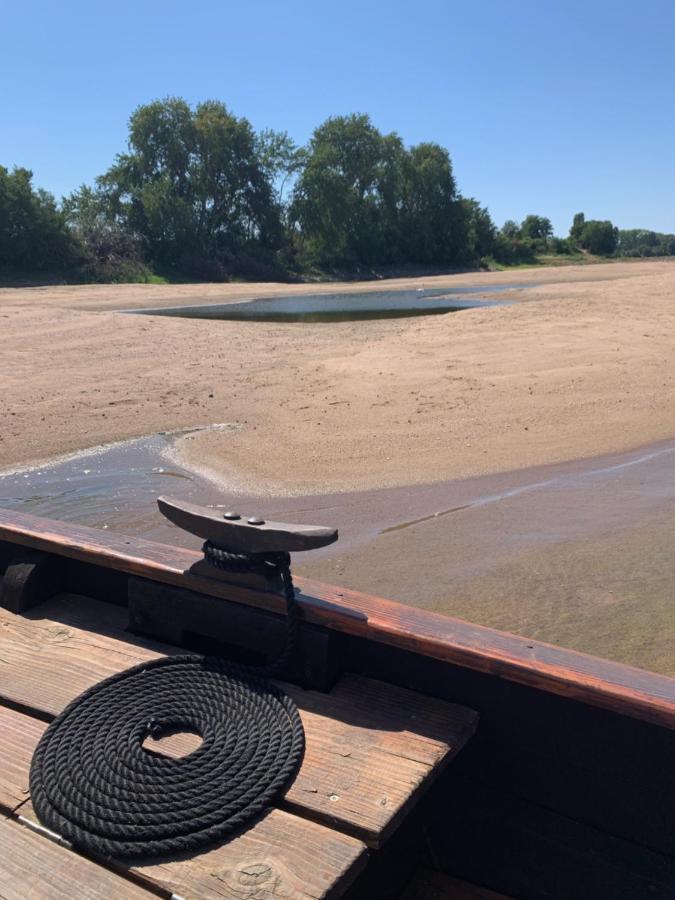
372,750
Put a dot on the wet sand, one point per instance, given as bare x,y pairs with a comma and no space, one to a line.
578,553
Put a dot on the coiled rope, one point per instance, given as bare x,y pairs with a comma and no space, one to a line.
93,783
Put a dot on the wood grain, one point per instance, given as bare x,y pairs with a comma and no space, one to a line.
613,686
33,868
20,735
371,748
280,855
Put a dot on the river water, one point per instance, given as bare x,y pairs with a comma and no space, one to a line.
579,553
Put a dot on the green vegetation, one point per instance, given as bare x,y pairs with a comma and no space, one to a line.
33,232
199,195
639,242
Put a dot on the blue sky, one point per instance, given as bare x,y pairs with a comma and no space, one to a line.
546,107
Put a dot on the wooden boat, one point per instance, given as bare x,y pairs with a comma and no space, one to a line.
443,759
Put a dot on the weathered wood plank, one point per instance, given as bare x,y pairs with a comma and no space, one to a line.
280,853
282,856
20,734
613,686
32,868
371,749
429,885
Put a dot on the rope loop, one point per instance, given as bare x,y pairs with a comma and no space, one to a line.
268,564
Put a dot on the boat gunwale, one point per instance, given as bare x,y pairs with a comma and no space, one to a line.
615,686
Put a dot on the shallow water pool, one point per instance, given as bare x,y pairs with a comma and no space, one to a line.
345,307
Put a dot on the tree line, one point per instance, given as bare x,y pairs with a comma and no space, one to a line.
199,194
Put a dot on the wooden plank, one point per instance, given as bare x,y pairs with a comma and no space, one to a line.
371,748
280,852
20,735
609,685
429,885
281,855
32,868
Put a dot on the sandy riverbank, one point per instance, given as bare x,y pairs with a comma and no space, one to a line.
582,363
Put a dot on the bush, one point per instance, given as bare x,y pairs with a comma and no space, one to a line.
561,246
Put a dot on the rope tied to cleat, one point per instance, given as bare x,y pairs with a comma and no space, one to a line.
94,783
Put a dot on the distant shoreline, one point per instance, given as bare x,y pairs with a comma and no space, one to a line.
32,280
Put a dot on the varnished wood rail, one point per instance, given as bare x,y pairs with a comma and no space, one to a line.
620,688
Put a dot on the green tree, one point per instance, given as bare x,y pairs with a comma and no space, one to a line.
363,198
577,227
480,231
33,231
337,199
510,246
193,187
280,160
599,238
510,229
536,228
641,242
434,224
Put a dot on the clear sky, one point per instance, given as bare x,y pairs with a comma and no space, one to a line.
546,107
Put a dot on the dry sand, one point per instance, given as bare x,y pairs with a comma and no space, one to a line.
582,363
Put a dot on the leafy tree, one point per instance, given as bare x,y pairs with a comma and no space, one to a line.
641,242
510,229
363,198
480,231
336,199
193,186
280,159
577,227
536,228
599,238
510,245
33,231
432,215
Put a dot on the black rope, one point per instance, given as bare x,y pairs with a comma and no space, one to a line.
269,564
92,781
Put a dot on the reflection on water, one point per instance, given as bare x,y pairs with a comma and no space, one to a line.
347,307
